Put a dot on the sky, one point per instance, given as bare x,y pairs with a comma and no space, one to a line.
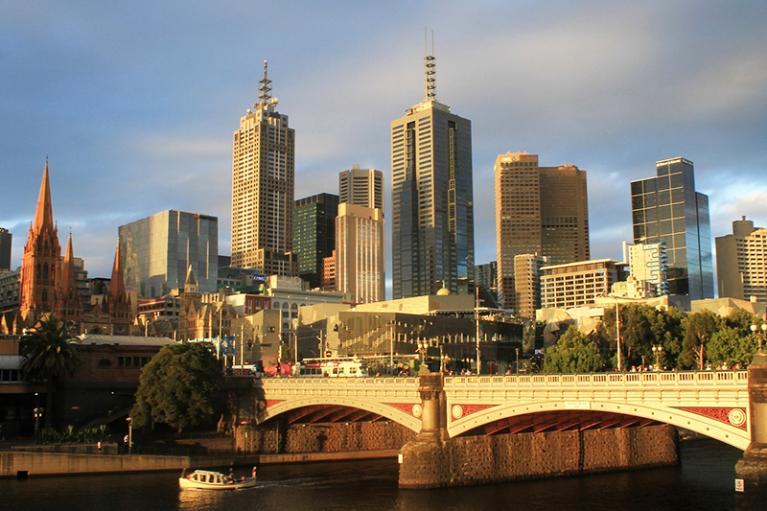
134,103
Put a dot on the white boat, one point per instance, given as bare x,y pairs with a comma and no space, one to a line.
208,480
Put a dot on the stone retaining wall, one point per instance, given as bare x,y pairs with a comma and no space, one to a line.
329,437
484,459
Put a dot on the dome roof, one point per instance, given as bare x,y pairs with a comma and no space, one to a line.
443,291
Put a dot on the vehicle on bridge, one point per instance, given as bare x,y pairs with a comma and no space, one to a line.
341,367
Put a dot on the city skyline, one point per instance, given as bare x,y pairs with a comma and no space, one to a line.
174,151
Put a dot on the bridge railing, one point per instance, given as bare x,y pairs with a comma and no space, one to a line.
692,378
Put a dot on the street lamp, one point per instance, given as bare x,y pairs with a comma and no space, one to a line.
657,351
760,338
517,365
423,347
129,420
37,413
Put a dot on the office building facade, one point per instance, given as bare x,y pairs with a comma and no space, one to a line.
359,253
666,208
5,249
527,284
577,284
741,262
314,227
363,187
263,174
539,210
157,252
432,197
648,264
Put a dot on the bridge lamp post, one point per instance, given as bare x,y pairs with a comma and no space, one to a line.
657,351
423,347
760,338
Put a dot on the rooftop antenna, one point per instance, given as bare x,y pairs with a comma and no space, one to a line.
266,86
430,71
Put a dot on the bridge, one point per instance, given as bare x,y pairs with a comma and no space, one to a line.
711,403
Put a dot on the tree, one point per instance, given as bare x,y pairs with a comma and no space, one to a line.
729,346
181,386
573,353
698,329
49,355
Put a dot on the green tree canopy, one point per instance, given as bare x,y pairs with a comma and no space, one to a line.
698,329
729,346
573,353
181,386
49,355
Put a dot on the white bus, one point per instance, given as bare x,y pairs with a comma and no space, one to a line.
342,367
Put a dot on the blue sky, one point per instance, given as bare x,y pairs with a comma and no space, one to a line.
135,103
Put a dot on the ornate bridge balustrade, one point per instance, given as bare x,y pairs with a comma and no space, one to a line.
712,403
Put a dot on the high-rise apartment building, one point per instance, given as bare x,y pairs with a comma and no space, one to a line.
263,168
432,197
666,208
741,262
363,187
539,210
5,248
157,252
360,253
314,227
527,284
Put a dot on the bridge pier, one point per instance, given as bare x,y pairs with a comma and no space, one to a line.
433,459
751,470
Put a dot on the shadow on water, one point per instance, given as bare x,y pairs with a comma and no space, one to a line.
703,482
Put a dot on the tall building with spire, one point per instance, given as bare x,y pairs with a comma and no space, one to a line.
263,169
48,282
432,196
41,262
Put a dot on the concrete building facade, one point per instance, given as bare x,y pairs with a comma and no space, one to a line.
158,251
432,197
527,284
314,238
539,210
565,286
359,253
486,275
263,174
666,208
648,264
741,262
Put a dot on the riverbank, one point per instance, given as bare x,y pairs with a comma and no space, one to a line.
22,464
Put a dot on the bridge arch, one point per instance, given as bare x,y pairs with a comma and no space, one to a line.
390,412
697,423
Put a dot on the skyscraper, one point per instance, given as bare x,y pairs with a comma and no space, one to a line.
314,227
538,210
5,248
741,262
666,208
157,252
363,187
263,169
432,197
527,284
360,253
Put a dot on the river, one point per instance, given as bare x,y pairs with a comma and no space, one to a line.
703,481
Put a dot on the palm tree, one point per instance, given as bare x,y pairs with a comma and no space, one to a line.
49,355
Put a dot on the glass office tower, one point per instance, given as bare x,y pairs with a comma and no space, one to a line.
667,209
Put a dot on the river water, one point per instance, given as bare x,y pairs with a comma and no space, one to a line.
704,481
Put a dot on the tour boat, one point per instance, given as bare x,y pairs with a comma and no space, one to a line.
207,480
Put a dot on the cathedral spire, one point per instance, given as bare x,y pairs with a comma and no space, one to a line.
44,209
116,284
68,268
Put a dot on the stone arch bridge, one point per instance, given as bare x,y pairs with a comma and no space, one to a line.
712,403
